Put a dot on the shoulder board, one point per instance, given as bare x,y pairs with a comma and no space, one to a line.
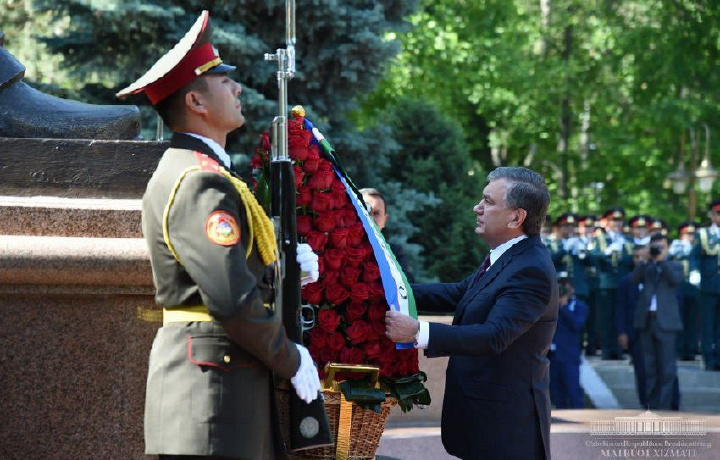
207,163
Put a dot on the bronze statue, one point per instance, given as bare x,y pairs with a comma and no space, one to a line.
26,112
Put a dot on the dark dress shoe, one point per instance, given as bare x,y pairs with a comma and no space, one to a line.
26,112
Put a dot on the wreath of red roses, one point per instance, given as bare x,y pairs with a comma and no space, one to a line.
348,298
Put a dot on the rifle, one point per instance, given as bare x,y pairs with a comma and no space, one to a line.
309,426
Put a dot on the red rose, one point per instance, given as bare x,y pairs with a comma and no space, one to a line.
347,217
359,293
325,221
372,349
311,163
316,240
358,331
321,179
321,201
330,277
377,330
339,238
336,294
313,293
304,224
265,141
299,175
354,311
325,165
318,339
335,341
333,258
352,356
298,153
371,271
328,320
256,162
376,292
304,196
355,256
376,312
387,369
356,232
339,194
349,276
328,355
321,266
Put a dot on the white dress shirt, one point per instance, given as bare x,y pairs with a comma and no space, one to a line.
423,336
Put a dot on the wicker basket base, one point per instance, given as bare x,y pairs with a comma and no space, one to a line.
365,431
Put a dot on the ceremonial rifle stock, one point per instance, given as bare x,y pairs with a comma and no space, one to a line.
309,426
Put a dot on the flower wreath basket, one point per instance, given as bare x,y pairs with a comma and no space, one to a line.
364,373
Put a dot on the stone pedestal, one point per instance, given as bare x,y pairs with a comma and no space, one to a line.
76,295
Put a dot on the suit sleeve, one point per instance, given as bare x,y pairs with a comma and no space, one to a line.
575,319
227,286
517,308
440,297
672,272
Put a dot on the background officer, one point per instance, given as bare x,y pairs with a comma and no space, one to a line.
705,258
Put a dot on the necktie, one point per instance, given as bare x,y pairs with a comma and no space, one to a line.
483,268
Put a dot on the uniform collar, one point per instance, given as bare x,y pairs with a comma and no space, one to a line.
215,147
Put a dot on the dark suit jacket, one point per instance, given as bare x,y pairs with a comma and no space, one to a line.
663,280
627,297
497,403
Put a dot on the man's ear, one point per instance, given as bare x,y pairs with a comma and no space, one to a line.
520,215
195,102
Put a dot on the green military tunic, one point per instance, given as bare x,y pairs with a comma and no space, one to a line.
209,387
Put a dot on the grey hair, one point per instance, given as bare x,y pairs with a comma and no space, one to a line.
527,190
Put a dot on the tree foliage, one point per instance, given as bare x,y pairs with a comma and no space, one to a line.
586,92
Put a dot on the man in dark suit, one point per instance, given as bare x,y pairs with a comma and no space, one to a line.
497,402
628,294
210,387
657,317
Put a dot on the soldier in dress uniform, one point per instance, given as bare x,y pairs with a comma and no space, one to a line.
586,291
640,230
612,257
680,251
210,391
659,226
705,258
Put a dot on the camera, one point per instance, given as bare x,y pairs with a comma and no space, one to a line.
655,250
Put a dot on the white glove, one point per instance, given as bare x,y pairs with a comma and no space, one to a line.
694,278
306,380
308,260
614,247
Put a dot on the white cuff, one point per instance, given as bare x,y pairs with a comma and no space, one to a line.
423,335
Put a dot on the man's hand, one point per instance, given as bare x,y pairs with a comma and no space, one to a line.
623,341
308,262
400,328
306,380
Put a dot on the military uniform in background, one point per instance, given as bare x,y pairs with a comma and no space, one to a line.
587,290
680,251
705,258
612,257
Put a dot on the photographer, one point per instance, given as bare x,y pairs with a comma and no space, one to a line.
657,318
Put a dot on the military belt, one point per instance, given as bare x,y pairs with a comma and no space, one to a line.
186,314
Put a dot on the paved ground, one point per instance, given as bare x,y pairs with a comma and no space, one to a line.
571,439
